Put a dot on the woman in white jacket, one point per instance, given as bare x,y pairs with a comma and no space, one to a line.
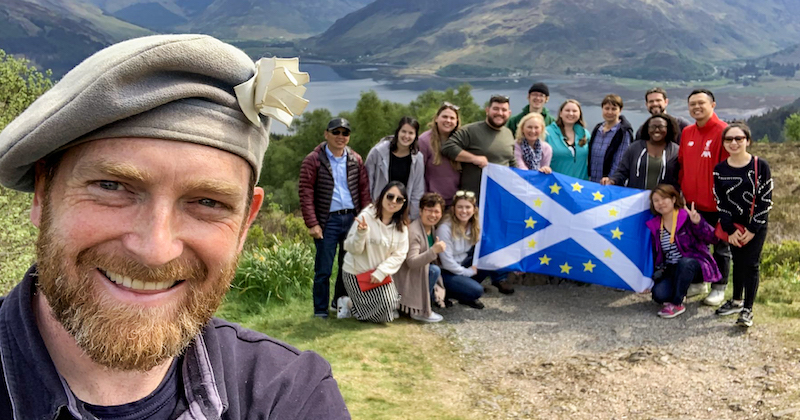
397,158
378,240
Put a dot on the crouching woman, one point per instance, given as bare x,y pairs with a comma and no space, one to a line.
680,240
419,276
378,240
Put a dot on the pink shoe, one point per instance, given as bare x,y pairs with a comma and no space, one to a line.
671,311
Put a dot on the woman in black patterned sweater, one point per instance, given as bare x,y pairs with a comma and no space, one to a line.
743,190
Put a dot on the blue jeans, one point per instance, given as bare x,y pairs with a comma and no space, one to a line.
461,288
333,236
433,274
675,282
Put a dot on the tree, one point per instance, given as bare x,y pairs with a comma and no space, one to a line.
20,85
791,128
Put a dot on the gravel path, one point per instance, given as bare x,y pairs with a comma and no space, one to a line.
567,351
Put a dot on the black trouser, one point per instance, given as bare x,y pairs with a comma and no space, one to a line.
746,261
675,281
722,252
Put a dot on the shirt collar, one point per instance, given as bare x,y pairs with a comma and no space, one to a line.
331,156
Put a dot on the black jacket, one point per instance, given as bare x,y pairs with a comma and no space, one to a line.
632,169
616,142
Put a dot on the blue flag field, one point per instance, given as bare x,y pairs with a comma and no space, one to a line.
565,227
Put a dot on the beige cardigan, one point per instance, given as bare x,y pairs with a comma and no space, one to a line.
412,278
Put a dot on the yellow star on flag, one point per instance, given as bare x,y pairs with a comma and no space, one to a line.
555,188
608,253
613,212
616,234
577,187
532,243
530,223
565,268
597,196
589,266
537,202
544,260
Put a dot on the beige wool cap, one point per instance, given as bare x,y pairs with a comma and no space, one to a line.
191,88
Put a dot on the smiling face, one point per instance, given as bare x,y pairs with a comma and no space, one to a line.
337,140
570,113
701,107
137,248
497,114
406,136
611,113
735,141
664,205
392,201
657,129
464,210
536,101
446,121
430,216
656,103
532,130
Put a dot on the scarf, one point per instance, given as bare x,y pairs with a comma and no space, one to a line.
531,155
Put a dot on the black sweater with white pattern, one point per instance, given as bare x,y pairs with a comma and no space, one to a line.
733,190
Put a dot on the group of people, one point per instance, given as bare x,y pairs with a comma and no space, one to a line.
410,211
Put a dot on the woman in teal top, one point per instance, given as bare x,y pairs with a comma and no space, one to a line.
570,141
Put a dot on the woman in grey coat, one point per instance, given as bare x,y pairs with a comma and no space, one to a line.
652,160
397,158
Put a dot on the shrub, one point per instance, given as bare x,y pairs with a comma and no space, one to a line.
282,271
17,237
780,278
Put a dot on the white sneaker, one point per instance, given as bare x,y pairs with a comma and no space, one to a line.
697,289
714,298
343,307
433,318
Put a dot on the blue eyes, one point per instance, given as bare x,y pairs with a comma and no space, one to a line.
109,185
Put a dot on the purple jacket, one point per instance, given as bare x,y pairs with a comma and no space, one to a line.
692,239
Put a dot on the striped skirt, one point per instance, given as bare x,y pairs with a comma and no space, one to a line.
376,305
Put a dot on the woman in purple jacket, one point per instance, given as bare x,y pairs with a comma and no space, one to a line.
680,240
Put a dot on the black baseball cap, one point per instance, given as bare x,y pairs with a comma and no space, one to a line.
338,123
539,87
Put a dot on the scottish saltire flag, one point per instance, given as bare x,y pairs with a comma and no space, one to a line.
562,226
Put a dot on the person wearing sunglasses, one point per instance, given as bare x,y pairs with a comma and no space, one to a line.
397,158
376,244
333,188
653,161
460,231
481,143
743,191
442,175
538,95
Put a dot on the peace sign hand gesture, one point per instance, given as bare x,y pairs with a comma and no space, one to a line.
362,224
694,216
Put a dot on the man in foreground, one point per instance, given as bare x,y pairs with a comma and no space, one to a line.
143,162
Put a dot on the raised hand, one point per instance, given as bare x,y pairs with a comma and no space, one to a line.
439,246
694,216
362,224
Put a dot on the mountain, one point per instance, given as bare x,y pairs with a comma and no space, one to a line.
622,37
771,123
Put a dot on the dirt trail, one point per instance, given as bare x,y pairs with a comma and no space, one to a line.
565,351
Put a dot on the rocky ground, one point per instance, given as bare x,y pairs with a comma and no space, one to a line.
573,352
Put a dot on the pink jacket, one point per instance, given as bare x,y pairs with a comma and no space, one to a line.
547,154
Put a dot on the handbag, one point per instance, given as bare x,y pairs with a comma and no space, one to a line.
365,281
718,231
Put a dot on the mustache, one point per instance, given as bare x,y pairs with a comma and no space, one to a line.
175,270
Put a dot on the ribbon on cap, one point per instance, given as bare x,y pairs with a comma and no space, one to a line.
276,90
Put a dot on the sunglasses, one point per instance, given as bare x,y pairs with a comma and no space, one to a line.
451,106
737,139
462,193
397,199
340,132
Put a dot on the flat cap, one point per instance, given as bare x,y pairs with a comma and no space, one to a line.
191,88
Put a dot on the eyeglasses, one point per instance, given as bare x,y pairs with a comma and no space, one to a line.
657,127
345,133
451,106
397,199
737,139
462,193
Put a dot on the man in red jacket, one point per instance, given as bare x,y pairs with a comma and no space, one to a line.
333,189
701,149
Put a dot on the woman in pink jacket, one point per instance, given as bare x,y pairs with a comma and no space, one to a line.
531,151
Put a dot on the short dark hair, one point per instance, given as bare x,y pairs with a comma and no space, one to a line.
500,99
656,89
412,122
612,99
706,91
431,199
741,125
667,191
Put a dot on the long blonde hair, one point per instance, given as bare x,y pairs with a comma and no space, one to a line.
456,228
436,136
532,116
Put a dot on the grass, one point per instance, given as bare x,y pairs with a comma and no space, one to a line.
395,371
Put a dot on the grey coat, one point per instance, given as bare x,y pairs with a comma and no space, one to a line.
378,170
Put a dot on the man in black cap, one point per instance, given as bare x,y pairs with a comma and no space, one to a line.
142,161
334,187
538,95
